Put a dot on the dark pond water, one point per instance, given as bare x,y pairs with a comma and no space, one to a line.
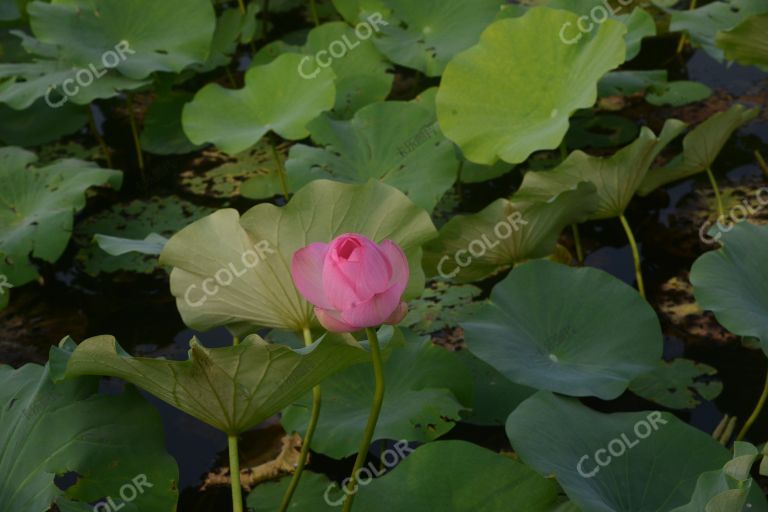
142,315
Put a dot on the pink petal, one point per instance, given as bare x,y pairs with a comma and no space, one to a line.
355,270
375,311
329,319
399,263
307,273
397,315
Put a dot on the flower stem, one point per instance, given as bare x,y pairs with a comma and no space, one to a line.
314,416
635,255
136,141
99,138
716,189
313,10
234,475
241,3
683,37
761,162
755,413
373,418
577,242
280,169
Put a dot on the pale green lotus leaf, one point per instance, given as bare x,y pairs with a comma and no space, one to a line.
513,92
235,271
700,148
275,98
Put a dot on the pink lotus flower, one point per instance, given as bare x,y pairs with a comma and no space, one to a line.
353,282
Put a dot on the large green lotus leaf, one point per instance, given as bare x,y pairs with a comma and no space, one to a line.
361,71
495,396
53,430
232,388
542,330
39,124
617,177
732,282
512,93
163,133
426,389
639,22
703,24
133,220
506,232
449,476
275,97
397,143
700,148
747,43
729,489
87,29
678,384
37,206
457,476
28,82
263,294
426,35
659,457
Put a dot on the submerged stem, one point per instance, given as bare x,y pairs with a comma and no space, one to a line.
313,10
314,416
136,141
234,474
280,169
756,412
373,418
577,242
99,138
718,197
635,255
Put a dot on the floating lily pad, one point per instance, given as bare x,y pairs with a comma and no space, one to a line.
397,143
601,131
134,220
747,43
617,177
232,388
260,244
700,148
539,329
255,167
678,93
441,306
163,134
731,282
37,206
627,82
648,461
492,112
426,35
508,231
50,431
427,388
678,384
275,98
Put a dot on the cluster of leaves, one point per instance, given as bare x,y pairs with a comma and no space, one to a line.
548,335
